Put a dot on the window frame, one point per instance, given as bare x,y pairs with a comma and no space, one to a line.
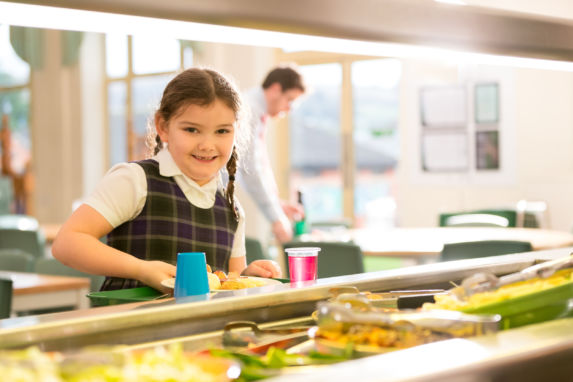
348,161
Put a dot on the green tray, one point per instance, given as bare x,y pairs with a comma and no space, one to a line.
123,296
532,308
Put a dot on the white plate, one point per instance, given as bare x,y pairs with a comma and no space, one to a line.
170,283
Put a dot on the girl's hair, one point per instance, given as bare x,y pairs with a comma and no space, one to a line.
196,86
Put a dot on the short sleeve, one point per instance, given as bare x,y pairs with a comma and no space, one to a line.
120,195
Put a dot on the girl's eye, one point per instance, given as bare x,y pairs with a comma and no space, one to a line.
223,131
191,129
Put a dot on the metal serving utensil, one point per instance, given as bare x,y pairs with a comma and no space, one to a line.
485,281
249,334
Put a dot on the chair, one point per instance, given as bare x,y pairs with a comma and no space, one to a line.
254,250
6,194
476,220
5,297
21,222
474,249
483,218
16,260
31,242
334,259
532,214
51,266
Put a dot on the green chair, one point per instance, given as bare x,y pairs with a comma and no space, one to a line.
6,194
32,241
51,266
334,258
21,222
5,298
16,260
488,217
474,249
254,250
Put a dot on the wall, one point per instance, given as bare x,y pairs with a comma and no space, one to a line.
539,145
56,134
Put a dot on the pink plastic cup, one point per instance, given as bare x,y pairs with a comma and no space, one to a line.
302,263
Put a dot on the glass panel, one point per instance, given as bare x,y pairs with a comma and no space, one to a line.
315,143
146,96
13,70
376,140
116,55
155,55
16,104
116,95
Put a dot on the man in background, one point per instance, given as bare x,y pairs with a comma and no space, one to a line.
281,87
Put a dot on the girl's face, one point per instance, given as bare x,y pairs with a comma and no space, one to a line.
200,139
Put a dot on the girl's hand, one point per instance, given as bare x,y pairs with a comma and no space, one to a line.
263,268
152,273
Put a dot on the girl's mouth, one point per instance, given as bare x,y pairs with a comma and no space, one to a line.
204,158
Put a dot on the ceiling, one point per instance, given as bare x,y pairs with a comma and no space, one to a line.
534,31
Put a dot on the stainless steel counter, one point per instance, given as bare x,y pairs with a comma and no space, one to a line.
139,324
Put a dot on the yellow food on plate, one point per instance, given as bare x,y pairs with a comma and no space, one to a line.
522,288
218,280
214,282
241,283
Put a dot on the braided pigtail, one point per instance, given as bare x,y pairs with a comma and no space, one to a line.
232,170
158,145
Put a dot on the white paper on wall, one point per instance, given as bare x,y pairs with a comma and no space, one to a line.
445,151
443,106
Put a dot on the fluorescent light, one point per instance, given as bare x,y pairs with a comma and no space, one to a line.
455,2
89,21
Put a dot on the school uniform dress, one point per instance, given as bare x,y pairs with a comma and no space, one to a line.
169,214
255,174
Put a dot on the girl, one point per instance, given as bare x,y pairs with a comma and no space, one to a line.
174,202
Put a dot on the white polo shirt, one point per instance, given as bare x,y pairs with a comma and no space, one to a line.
121,194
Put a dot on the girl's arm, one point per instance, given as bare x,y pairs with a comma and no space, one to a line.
77,245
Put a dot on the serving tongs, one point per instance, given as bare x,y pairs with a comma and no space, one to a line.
485,281
249,335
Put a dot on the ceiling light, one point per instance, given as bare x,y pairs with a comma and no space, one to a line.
89,21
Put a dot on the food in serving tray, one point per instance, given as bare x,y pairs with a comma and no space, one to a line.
113,364
504,293
346,325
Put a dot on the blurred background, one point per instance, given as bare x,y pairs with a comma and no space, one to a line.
382,138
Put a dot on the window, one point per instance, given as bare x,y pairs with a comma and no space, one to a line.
344,141
138,69
14,112
316,143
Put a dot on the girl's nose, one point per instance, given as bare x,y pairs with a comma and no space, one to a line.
205,143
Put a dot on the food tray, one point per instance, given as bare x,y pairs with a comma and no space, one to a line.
545,305
123,296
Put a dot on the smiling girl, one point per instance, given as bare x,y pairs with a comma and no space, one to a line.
174,202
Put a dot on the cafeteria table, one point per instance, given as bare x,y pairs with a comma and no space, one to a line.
424,244
33,291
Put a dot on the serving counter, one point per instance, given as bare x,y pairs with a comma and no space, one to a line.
199,323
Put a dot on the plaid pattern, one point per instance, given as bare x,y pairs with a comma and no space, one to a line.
169,224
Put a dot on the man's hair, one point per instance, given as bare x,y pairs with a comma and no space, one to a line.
286,76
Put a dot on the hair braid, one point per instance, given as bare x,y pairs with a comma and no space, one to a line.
232,170
158,145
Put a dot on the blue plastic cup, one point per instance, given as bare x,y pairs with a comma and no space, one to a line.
191,275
